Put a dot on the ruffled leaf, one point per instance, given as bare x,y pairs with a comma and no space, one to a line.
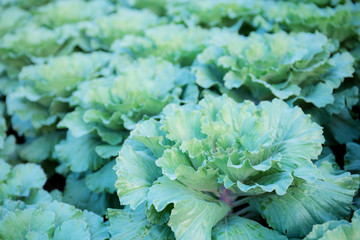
194,213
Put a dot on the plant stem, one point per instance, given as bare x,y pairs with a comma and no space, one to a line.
244,210
241,201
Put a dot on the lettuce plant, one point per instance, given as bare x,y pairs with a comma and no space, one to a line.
207,169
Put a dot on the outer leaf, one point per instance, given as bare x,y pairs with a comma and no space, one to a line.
102,180
36,236
337,230
79,153
352,157
194,213
40,148
77,194
132,224
24,177
136,171
72,230
15,225
233,227
305,205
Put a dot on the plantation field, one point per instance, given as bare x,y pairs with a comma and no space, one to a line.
179,119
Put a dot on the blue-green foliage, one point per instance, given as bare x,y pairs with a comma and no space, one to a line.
179,119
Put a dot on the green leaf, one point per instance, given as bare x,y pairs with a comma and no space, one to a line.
129,224
136,171
148,132
99,229
342,127
36,236
5,169
75,122
77,194
183,125
194,213
103,180
334,230
15,225
352,157
315,203
177,165
156,217
72,230
79,153
346,98
41,148
38,195
233,227
24,177
107,151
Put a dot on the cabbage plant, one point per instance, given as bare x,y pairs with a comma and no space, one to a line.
211,170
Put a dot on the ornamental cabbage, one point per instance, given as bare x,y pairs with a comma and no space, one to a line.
209,168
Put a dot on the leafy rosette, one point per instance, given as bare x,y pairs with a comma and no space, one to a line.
59,13
104,30
172,42
31,42
40,101
205,170
38,98
141,89
297,67
49,220
52,29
